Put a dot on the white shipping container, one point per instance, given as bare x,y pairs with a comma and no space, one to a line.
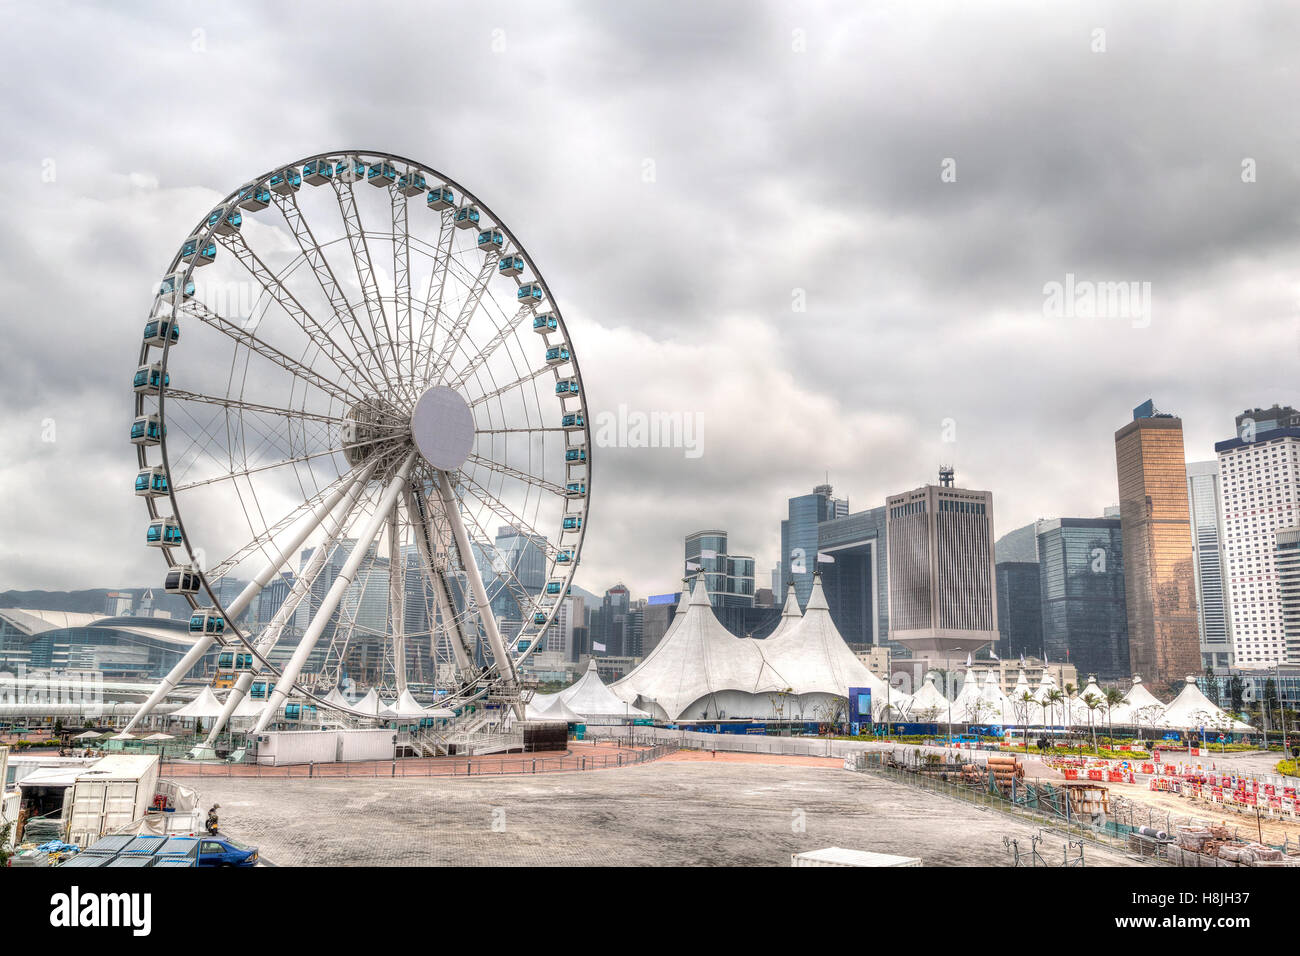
838,856
112,793
380,744
282,748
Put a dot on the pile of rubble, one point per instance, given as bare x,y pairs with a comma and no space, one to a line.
1218,846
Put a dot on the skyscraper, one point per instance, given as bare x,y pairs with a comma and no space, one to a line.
942,592
728,577
1159,573
1204,501
1084,615
1020,609
1259,489
800,539
1288,589
855,581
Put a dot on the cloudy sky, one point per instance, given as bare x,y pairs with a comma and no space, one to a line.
824,230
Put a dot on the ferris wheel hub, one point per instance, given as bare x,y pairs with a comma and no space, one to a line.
443,427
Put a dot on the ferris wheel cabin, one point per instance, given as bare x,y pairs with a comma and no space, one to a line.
318,172
381,174
490,239
575,489
151,482
412,184
207,620
286,181
182,580
466,217
441,197
530,294
157,331
573,422
147,430
176,286
566,387
510,266
226,223
150,378
164,533
546,322
254,197
557,355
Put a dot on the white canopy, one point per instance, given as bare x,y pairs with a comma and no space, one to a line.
590,698
997,706
790,615
204,705
336,698
700,661
1141,708
558,710
1192,710
406,707
968,707
929,704
371,705
249,707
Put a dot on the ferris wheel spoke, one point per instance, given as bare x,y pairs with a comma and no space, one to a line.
344,314
480,493
347,201
480,356
503,469
296,311
250,341
402,288
521,380
527,430
299,459
227,564
466,314
429,322
240,404
397,597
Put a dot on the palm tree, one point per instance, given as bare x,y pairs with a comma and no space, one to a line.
1054,697
1113,699
1092,702
1026,700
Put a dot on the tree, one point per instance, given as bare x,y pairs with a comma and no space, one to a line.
1024,706
1238,691
1092,702
5,852
1113,699
1054,697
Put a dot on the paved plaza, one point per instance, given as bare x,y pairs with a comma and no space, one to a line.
696,811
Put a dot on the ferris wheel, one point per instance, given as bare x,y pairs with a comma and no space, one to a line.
361,436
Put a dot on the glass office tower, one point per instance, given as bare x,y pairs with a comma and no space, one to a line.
1203,497
1084,612
1160,577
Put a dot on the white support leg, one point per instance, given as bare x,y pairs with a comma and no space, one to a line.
505,666
396,600
341,584
301,588
460,650
240,604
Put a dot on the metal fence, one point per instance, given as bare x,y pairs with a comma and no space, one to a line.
504,765
1045,813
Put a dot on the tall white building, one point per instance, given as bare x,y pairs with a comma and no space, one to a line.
1260,494
1205,502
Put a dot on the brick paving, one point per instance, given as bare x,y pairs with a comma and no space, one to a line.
687,811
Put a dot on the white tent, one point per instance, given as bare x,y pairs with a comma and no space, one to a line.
1141,708
929,703
790,615
336,698
204,705
1192,710
969,706
596,703
371,705
558,710
997,706
1079,711
699,670
406,707
1057,714
248,707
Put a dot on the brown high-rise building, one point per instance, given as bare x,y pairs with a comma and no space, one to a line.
1159,577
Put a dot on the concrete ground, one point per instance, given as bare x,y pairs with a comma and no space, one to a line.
676,812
